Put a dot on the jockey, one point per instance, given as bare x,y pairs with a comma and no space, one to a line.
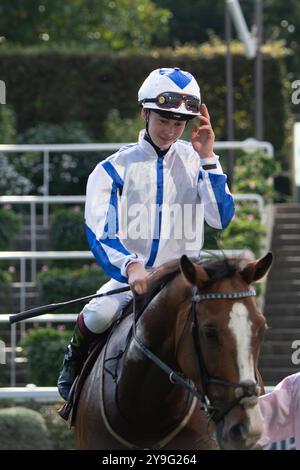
146,204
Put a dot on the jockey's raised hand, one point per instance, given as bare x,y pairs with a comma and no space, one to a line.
202,134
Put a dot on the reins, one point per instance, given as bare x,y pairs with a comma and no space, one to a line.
246,390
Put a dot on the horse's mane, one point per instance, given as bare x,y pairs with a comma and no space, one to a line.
216,269
219,269
164,273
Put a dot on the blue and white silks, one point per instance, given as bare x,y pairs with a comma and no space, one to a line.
150,209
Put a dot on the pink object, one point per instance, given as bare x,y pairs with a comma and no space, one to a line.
281,412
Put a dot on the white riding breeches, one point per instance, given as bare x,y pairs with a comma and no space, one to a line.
100,312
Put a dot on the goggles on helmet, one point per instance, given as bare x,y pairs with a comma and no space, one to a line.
168,100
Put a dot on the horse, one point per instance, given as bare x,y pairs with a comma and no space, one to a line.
183,374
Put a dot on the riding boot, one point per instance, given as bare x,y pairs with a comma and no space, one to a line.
74,358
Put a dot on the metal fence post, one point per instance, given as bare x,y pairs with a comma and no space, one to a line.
13,342
46,187
22,293
33,236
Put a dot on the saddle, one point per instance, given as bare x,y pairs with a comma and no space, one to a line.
68,410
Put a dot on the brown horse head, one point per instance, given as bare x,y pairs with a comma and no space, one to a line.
222,358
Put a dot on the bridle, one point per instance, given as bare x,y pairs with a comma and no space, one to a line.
242,390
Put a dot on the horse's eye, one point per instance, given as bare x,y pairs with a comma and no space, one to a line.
211,334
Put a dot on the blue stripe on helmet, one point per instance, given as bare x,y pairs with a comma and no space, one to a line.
181,79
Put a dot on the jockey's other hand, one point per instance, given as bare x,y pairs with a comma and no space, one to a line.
138,278
202,134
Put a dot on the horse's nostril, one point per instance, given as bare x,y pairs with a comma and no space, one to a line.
237,432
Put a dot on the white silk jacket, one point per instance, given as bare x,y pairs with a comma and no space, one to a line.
149,208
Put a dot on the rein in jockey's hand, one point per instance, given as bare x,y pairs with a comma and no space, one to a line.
138,278
203,136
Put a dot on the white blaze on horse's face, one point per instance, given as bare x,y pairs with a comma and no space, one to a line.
240,327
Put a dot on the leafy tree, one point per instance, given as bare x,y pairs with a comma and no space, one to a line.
7,125
195,20
192,21
113,24
118,129
282,20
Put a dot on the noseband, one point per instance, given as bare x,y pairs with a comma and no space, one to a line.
243,390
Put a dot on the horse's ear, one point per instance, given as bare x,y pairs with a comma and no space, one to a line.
193,273
256,270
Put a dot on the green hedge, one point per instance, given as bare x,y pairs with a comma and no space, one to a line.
85,86
245,231
10,227
68,171
58,285
5,279
67,230
5,291
44,349
23,429
61,436
7,125
254,173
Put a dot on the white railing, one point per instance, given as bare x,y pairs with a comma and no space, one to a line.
45,318
248,145
46,149
249,197
34,200
31,392
23,256
45,394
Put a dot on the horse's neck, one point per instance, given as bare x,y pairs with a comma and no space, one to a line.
142,382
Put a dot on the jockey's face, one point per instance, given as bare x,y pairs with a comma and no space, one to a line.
164,132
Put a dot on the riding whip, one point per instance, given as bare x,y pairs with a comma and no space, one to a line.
35,312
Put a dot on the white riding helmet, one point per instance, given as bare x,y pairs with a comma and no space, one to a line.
171,90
